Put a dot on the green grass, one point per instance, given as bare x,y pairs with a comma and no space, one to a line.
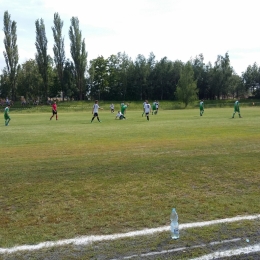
65,178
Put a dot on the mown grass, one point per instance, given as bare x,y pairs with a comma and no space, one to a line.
65,178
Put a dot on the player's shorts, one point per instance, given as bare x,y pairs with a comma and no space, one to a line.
201,108
95,114
6,117
236,109
54,112
147,113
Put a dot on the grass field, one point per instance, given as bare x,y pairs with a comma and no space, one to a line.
66,178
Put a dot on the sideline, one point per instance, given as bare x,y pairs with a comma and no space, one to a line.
84,240
232,252
179,249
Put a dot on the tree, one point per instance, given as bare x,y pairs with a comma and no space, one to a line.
70,89
187,90
78,54
41,56
221,74
99,74
29,82
251,77
11,51
58,49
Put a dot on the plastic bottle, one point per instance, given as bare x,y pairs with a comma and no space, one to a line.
174,224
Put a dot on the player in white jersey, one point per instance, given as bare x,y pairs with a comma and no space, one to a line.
143,108
112,108
95,111
201,107
147,109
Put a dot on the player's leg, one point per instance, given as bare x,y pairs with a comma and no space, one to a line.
147,116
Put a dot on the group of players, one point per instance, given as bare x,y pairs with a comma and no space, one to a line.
236,108
147,109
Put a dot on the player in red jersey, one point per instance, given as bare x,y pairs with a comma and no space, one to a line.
54,111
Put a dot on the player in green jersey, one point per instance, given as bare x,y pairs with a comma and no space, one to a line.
154,111
6,115
236,109
123,108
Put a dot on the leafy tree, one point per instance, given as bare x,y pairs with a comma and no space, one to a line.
113,78
4,84
78,54
124,64
142,72
11,52
251,77
99,74
165,76
236,86
187,90
58,49
29,83
70,89
41,56
221,75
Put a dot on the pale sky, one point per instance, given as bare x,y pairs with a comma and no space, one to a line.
177,29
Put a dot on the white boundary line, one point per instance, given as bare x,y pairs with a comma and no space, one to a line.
84,240
178,249
232,252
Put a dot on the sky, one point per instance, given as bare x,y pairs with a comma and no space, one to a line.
176,29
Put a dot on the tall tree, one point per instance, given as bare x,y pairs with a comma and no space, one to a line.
41,56
11,51
187,90
58,49
99,74
78,54
29,83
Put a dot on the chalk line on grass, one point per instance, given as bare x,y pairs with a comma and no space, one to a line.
84,240
231,252
179,249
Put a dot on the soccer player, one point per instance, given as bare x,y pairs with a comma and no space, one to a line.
147,109
120,116
112,108
236,109
95,111
6,115
143,108
154,107
54,111
157,107
201,107
123,108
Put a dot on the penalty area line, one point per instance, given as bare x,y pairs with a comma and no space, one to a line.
85,240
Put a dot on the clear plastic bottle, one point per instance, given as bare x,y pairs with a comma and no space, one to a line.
174,224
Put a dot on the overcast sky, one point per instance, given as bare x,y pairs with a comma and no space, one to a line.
177,29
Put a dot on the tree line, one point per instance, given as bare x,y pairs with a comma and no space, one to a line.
116,78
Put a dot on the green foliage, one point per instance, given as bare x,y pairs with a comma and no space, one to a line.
11,52
78,54
41,56
30,82
187,90
58,49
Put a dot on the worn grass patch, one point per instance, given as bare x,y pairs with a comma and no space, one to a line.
65,178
